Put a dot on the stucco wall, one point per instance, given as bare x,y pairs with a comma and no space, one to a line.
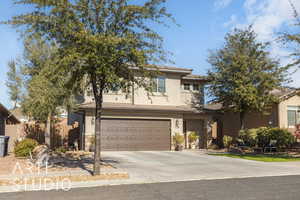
231,121
14,132
174,95
293,101
169,98
277,115
190,98
114,97
176,119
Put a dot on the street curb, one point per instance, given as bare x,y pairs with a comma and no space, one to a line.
101,183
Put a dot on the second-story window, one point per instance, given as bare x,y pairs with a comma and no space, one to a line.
196,87
186,86
115,88
159,84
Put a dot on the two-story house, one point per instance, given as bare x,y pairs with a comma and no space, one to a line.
140,121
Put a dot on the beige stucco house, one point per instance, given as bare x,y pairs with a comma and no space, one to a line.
285,114
6,118
141,120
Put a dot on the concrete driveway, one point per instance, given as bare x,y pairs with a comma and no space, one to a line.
149,167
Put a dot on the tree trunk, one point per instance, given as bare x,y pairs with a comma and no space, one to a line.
242,120
48,130
98,115
220,134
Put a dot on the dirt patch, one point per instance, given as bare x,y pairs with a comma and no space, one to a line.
58,162
74,161
8,163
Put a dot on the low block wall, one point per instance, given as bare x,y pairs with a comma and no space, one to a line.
14,132
62,133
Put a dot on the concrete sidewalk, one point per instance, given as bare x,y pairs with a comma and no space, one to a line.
60,173
43,177
154,167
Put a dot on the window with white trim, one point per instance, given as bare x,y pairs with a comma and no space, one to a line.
186,86
196,87
293,115
115,88
159,84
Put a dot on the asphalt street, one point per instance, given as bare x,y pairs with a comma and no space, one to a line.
284,187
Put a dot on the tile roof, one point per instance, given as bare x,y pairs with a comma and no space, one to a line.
285,93
282,93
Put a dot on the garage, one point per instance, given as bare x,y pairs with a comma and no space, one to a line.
135,135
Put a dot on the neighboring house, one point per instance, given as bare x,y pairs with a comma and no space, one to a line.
22,117
139,120
7,121
62,134
17,112
285,114
6,117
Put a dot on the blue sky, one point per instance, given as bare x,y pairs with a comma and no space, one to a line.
203,25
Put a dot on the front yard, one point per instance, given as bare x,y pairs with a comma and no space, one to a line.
70,166
69,161
261,157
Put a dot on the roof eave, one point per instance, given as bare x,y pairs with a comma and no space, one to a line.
191,111
195,79
179,71
9,115
289,95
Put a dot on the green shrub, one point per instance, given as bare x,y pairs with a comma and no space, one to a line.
263,136
227,140
248,137
178,139
23,148
61,150
282,137
193,136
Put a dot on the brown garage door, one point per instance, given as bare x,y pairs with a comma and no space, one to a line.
135,135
